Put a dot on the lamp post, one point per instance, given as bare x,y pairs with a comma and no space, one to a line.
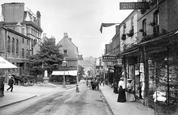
64,63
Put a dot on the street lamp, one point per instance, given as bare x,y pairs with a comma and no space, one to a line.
64,64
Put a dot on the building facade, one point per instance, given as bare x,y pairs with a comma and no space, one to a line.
149,56
20,30
71,56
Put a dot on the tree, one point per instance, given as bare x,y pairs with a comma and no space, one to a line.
48,58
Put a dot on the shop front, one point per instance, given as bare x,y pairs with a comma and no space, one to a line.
132,71
160,59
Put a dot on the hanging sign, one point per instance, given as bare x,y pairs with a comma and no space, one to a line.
109,58
133,5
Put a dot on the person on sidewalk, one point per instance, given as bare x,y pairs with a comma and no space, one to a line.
2,79
121,91
115,87
130,90
11,83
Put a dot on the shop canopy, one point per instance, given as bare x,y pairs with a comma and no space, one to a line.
71,72
4,64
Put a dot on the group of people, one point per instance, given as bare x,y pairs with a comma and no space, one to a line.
125,93
95,84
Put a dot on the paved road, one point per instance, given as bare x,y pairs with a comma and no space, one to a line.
86,102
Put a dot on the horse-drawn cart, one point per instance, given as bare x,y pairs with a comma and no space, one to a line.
24,80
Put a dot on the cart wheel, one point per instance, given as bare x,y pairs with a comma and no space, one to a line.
32,82
25,81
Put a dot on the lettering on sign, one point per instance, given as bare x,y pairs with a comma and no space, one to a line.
133,5
109,58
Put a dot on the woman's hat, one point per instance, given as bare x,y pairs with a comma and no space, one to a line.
129,79
122,78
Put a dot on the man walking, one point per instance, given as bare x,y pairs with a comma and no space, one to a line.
11,83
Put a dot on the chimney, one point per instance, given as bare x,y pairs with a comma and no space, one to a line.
117,28
38,18
65,35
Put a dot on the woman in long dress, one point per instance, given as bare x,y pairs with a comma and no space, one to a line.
130,90
121,93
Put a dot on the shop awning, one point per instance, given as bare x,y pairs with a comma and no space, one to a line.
4,64
71,72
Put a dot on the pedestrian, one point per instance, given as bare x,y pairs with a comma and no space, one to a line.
93,84
115,87
11,83
130,90
2,86
121,91
103,82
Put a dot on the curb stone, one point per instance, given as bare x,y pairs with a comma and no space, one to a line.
17,101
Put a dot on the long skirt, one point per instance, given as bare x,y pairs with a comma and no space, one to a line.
130,97
121,95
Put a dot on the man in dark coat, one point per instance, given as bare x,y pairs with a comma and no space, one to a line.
11,83
1,86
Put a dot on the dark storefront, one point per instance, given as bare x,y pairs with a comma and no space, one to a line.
154,69
160,58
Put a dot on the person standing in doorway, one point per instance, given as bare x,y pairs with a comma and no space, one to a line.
130,90
121,91
11,83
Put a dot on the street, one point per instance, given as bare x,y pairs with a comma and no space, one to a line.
69,102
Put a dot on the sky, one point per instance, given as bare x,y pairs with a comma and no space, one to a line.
80,19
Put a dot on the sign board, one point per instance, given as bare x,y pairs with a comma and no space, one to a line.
119,61
133,5
109,58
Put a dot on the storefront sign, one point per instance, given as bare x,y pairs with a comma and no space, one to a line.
119,61
109,58
133,5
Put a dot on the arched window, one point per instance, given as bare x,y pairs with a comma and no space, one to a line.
17,46
8,44
13,45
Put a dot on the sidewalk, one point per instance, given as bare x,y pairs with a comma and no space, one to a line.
127,108
22,93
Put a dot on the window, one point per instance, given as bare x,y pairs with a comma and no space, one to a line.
27,42
8,44
13,45
156,23
17,46
132,24
144,27
27,53
22,52
22,40
65,52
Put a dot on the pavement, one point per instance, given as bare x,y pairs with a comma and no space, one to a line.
21,93
127,108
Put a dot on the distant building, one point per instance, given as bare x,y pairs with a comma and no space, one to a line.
71,56
20,31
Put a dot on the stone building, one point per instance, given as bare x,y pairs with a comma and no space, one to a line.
20,31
